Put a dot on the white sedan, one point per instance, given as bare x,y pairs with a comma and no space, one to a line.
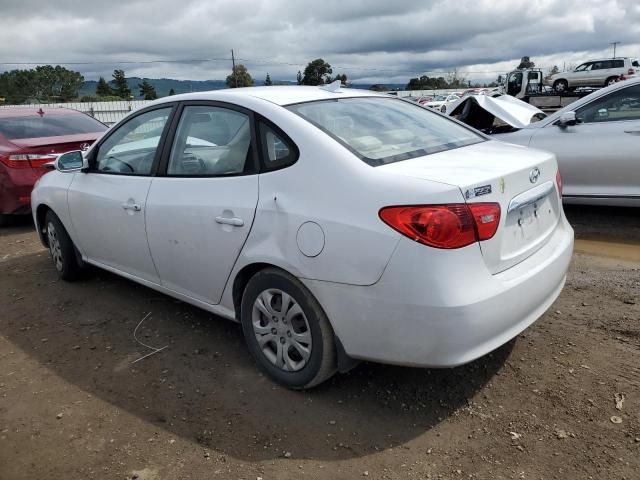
440,102
332,224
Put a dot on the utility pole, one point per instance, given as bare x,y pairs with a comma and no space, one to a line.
614,48
233,62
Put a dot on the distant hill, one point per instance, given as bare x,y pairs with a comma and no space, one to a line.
164,85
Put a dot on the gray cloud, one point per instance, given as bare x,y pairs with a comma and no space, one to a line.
374,41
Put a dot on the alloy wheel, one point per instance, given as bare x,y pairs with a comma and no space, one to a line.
54,246
281,329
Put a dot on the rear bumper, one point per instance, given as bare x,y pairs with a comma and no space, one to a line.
15,189
443,308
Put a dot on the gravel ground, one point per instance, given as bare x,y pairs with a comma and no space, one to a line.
560,401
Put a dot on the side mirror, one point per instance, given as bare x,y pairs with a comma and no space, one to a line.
567,119
71,162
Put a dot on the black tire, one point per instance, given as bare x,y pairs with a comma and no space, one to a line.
561,86
443,109
610,81
65,257
5,220
321,363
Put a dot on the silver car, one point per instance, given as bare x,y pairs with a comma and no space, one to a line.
596,73
597,142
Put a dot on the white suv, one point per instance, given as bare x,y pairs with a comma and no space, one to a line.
595,73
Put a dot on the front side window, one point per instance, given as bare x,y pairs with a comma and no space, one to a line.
384,130
211,141
131,149
584,67
620,105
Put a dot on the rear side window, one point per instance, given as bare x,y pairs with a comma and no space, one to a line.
48,125
617,64
384,130
277,150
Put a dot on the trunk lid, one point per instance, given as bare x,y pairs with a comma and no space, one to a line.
521,180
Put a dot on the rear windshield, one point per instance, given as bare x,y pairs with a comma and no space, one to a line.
36,126
385,130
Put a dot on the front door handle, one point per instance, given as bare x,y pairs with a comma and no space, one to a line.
632,132
235,221
132,206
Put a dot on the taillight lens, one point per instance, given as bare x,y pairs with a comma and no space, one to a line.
444,226
26,160
631,71
559,182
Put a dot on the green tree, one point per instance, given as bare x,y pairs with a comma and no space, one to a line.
317,72
172,92
299,77
147,91
102,88
239,77
341,77
267,81
120,85
46,83
525,62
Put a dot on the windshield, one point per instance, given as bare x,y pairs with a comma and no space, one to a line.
385,130
48,125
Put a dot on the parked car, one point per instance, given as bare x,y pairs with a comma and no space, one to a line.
30,138
597,142
333,224
440,102
595,73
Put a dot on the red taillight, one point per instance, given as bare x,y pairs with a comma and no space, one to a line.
631,71
26,160
444,226
559,182
487,218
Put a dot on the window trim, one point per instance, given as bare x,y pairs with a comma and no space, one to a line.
372,162
156,159
170,138
264,167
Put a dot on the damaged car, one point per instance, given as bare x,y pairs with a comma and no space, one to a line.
596,139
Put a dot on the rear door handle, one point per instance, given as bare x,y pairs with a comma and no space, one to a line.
235,221
132,206
632,132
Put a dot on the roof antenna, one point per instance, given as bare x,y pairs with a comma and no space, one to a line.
333,87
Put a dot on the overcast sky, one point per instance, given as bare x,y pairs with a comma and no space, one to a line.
370,41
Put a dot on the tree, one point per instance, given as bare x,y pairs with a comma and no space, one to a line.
525,62
239,77
267,81
120,85
341,77
46,83
378,88
102,88
147,91
172,92
552,71
299,77
317,72
455,81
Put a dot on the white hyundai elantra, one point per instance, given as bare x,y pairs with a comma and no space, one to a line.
335,225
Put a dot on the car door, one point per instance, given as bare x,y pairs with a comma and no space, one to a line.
108,203
580,76
599,156
201,206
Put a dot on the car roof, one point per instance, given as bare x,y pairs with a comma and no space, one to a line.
30,111
279,95
605,59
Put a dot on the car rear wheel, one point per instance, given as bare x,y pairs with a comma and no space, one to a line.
63,252
610,81
287,332
443,109
560,86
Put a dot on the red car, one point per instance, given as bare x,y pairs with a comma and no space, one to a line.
29,138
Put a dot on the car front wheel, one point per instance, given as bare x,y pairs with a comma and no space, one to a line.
63,252
287,332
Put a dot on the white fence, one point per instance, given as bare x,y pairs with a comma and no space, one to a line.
106,112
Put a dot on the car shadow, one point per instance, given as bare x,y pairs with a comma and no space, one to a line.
204,386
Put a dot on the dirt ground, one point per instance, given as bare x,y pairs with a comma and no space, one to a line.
73,405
